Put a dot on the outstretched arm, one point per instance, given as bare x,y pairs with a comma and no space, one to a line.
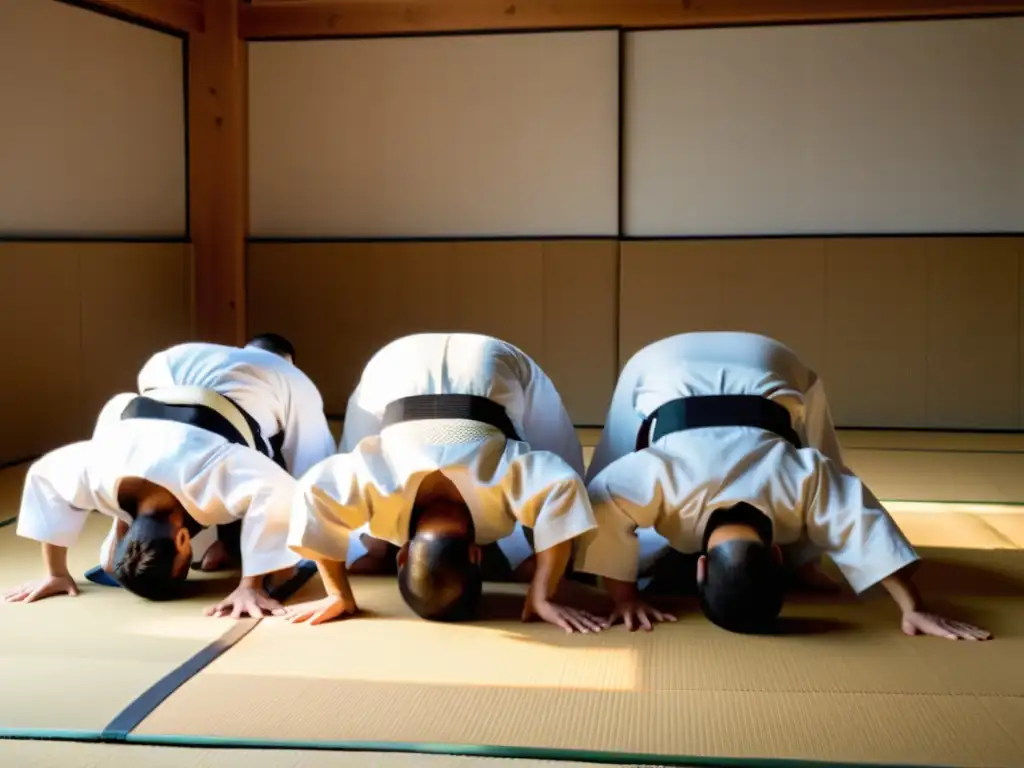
54,505
849,523
916,620
612,550
249,486
547,495
328,507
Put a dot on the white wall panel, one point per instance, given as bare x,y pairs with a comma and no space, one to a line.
853,128
92,133
435,136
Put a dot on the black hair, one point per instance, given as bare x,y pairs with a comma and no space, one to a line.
273,342
144,562
744,586
440,581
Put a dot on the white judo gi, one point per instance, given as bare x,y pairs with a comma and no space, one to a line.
372,484
673,486
216,481
278,396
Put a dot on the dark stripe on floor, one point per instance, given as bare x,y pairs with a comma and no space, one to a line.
132,715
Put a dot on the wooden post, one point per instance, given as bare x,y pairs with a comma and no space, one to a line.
218,160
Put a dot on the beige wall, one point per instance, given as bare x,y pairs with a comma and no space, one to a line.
903,127
907,332
77,320
340,302
853,129
92,147
92,125
437,136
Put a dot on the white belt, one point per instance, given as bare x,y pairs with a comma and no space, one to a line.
441,431
208,398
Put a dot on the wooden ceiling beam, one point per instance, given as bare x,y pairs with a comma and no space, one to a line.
270,19
180,15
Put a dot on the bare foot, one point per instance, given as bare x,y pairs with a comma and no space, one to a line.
524,573
371,565
273,580
379,559
216,558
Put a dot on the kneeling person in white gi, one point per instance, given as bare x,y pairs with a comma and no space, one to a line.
723,444
450,440
282,408
163,472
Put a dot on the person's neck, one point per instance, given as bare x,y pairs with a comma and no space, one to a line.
437,487
732,532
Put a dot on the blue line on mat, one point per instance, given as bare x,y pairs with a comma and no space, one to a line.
144,705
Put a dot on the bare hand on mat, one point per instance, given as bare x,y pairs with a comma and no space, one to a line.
630,609
917,623
323,610
246,600
570,619
636,613
37,590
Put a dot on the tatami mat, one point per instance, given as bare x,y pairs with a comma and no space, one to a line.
73,663
843,685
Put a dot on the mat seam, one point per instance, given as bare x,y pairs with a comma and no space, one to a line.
136,712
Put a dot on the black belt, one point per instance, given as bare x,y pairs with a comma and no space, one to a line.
468,407
200,416
717,411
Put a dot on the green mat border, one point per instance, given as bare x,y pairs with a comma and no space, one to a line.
431,748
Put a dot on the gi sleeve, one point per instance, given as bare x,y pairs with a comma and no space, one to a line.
242,484
630,493
845,519
546,494
329,506
546,423
621,424
307,435
57,496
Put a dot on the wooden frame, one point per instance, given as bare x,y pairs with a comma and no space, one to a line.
218,173
295,19
217,78
176,15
